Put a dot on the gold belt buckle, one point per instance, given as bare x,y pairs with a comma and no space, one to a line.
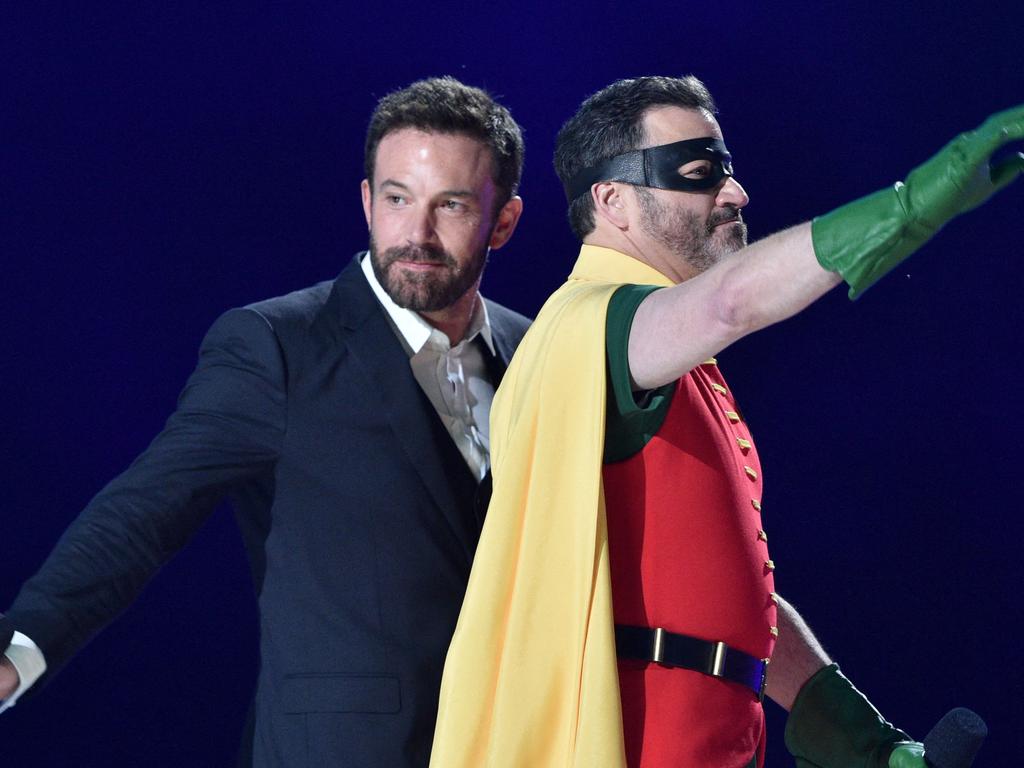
718,659
658,647
764,679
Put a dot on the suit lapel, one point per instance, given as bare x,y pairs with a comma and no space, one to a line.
503,337
363,328
504,345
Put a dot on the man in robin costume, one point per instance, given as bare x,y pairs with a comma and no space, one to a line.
621,609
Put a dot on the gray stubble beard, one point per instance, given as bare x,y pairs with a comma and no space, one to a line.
685,234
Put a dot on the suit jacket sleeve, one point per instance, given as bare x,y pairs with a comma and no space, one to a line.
227,428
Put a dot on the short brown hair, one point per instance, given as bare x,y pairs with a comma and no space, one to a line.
445,105
611,122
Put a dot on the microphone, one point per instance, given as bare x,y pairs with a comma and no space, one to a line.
955,739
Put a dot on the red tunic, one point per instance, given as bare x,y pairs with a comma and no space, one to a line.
688,554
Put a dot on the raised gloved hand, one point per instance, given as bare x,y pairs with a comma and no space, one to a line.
865,239
833,725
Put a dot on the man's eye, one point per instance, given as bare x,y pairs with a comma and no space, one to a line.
454,205
697,172
394,199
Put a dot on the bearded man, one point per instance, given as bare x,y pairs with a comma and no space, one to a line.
622,608
349,424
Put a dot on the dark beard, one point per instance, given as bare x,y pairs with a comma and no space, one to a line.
424,292
697,242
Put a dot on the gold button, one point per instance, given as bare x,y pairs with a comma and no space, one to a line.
732,416
719,388
774,631
756,503
710,361
774,597
769,564
751,471
762,535
744,444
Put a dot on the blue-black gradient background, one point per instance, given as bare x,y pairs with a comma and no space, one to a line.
161,162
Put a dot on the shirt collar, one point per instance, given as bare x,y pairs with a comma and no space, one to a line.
414,329
608,265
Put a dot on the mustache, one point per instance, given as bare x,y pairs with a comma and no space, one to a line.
724,216
417,254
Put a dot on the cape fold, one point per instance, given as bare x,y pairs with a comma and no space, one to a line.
530,677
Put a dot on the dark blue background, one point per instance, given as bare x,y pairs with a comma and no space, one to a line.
164,161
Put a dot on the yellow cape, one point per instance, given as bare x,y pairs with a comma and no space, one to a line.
530,679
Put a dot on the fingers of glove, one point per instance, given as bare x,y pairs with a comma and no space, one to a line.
1000,129
1005,171
907,755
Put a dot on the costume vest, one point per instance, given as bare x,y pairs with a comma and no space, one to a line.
688,553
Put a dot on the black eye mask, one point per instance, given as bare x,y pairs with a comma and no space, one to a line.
658,167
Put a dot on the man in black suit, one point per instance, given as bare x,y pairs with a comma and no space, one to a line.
349,424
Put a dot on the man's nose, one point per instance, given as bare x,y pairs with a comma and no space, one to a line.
731,193
422,228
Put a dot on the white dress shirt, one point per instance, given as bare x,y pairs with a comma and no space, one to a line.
28,661
455,381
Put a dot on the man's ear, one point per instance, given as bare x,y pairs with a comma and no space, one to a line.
610,203
367,194
506,222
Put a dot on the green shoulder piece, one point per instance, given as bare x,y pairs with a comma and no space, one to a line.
632,418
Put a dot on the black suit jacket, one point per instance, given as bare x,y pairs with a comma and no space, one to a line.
355,506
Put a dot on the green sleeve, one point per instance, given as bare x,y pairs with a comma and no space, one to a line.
633,418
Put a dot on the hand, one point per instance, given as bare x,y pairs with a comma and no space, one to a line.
9,680
907,754
960,176
865,239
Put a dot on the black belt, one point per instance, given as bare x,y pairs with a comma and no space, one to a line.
672,650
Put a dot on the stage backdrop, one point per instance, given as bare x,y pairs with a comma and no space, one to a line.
162,162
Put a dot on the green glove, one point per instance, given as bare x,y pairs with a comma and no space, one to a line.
864,239
908,755
832,725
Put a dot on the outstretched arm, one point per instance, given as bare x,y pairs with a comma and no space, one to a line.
768,281
226,429
775,278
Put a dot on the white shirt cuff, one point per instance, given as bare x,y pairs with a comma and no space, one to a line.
28,661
